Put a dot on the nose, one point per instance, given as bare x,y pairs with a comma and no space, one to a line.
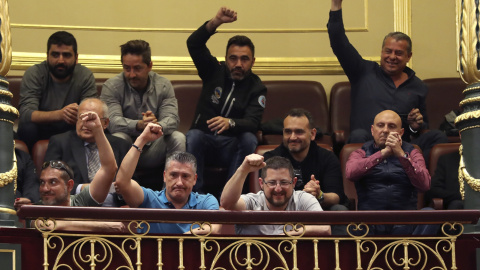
238,63
44,188
278,188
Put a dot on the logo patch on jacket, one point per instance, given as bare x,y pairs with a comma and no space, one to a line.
262,100
217,94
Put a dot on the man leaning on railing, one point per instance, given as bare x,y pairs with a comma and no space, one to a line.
277,194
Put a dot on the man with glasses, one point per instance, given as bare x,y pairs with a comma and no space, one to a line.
78,148
138,96
277,183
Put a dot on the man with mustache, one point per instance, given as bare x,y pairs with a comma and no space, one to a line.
317,169
179,177
277,183
388,86
138,96
51,91
56,182
231,103
388,172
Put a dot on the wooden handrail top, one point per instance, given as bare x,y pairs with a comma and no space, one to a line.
250,217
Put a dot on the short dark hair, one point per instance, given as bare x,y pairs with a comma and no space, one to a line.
299,112
137,47
241,41
399,36
66,171
275,163
62,38
182,157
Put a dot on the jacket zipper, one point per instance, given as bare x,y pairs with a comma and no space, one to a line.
228,98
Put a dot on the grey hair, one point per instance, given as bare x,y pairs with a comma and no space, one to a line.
182,157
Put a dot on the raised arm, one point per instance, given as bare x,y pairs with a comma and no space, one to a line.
230,198
103,179
336,5
131,191
224,15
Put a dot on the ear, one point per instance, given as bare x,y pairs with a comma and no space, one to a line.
409,56
106,122
313,134
150,65
260,182
371,129
294,181
70,184
76,58
253,61
401,132
194,179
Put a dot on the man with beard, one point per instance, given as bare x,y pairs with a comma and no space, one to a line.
56,182
317,169
138,96
179,177
51,91
388,172
277,183
232,101
388,86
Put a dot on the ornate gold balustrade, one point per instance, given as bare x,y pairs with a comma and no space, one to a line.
106,250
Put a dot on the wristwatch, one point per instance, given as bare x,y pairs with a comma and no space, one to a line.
231,123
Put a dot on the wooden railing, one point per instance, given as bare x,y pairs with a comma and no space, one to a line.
104,250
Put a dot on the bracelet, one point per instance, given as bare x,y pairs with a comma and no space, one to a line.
320,196
411,129
138,148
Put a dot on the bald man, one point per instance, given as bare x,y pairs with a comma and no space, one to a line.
387,171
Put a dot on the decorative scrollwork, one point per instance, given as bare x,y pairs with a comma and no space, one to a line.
463,175
138,225
291,229
362,229
202,231
45,225
10,176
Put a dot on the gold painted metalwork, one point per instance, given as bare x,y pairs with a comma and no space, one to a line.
11,176
469,100
6,93
463,175
6,45
467,52
9,109
8,211
99,251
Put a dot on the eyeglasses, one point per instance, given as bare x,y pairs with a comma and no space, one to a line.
275,183
59,165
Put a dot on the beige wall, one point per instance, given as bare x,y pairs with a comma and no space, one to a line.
290,36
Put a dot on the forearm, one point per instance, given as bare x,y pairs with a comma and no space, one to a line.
42,117
416,170
232,190
330,199
358,164
336,5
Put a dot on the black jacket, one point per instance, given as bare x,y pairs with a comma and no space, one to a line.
245,99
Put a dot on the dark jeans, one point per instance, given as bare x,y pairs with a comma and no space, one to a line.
219,150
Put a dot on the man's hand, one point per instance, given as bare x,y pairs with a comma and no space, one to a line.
69,113
148,117
336,5
151,133
313,186
252,162
19,202
394,141
224,15
415,119
91,121
218,124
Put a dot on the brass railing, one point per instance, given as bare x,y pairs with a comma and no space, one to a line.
104,250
